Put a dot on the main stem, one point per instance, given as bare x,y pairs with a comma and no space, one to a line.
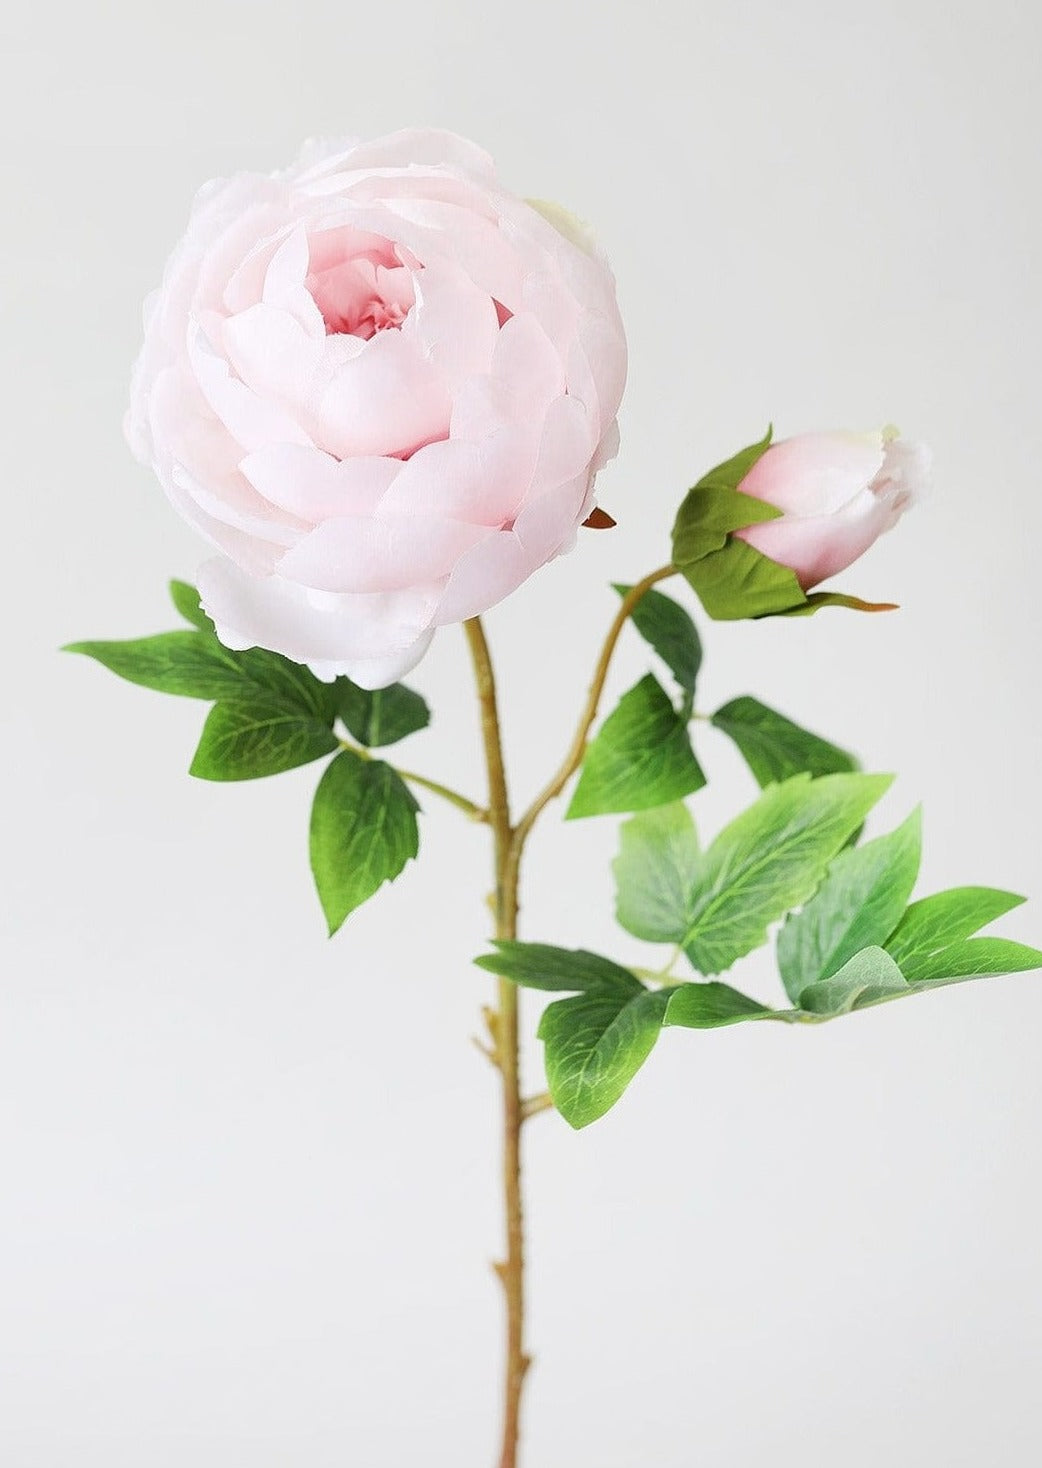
503,1025
508,842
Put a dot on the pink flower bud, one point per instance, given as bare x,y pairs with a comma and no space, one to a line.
837,492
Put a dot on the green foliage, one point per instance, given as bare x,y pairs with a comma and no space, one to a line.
769,860
936,922
190,664
866,977
540,966
186,600
381,717
709,1006
973,958
731,578
244,740
642,757
655,874
774,747
594,1045
363,831
857,906
670,631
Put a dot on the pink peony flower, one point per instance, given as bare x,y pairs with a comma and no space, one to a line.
381,386
838,492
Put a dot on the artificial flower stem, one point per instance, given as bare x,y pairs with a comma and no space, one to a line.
574,757
503,1028
470,807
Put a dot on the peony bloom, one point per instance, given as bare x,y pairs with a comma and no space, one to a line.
381,387
837,492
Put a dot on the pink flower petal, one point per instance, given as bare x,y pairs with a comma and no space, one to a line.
373,639
375,554
819,546
387,400
314,485
815,473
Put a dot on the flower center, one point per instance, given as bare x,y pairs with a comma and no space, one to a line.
360,297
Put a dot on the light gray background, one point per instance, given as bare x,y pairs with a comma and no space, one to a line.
248,1188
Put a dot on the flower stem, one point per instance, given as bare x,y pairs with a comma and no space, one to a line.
502,1022
574,756
503,1027
470,807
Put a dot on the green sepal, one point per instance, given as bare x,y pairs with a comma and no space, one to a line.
363,831
640,758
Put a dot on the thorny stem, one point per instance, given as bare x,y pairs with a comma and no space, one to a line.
502,1022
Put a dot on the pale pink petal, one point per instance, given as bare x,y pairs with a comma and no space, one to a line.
273,354
251,420
452,322
387,400
481,484
314,485
376,554
233,501
526,363
567,445
819,546
482,577
410,146
815,473
377,638
284,283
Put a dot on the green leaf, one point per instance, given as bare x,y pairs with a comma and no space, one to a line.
541,966
191,664
655,873
382,716
670,631
595,1044
973,958
857,907
774,747
196,665
186,599
770,860
642,757
363,831
865,978
946,918
248,739
708,1006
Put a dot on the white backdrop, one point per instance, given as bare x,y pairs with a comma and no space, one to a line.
248,1181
